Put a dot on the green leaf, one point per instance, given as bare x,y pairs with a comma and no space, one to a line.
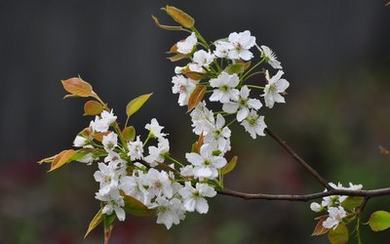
339,235
229,166
180,16
135,207
129,133
352,202
135,104
97,219
379,220
109,220
236,68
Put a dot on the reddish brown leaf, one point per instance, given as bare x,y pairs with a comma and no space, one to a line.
319,229
61,159
77,87
196,97
93,107
180,16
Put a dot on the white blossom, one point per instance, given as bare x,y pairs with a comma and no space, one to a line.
336,215
187,45
206,163
270,57
87,159
113,203
243,104
315,207
136,149
158,183
220,134
225,85
254,124
169,212
202,119
110,141
222,48
132,186
241,42
187,171
157,154
184,87
102,123
155,128
79,141
272,91
200,61
108,178
194,198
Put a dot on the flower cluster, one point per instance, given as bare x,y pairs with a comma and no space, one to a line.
334,206
223,68
127,170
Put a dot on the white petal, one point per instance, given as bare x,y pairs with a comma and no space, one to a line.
202,206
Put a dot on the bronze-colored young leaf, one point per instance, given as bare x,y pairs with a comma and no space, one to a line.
379,220
92,108
77,87
135,207
167,27
98,136
97,219
196,146
180,16
194,75
61,159
177,57
128,133
339,235
229,166
135,104
352,202
173,49
47,160
196,97
320,229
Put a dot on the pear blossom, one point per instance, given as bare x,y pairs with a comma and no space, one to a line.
87,159
136,149
187,171
316,207
157,154
206,163
102,123
184,87
155,128
242,42
270,57
158,183
222,48
336,215
200,61
225,85
254,124
202,119
79,141
187,45
113,203
132,186
243,104
276,85
107,177
194,197
220,134
110,141
179,70
169,212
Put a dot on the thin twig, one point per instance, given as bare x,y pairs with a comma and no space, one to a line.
308,197
297,158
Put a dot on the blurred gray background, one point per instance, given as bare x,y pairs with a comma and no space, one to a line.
336,55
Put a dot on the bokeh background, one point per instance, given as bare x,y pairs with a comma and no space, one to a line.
336,54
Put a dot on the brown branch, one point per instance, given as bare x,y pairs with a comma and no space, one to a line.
308,197
297,158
